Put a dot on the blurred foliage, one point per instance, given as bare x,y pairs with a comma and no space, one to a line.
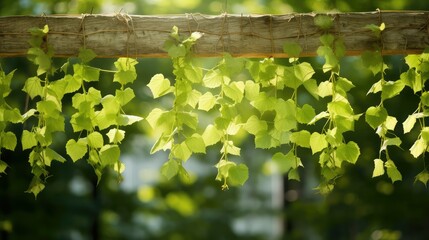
74,207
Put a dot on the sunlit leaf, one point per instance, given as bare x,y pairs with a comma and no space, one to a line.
409,123
418,148
170,169
254,125
392,171
318,142
159,85
8,140
211,135
109,154
206,101
301,138
196,143
33,87
378,168
349,152
375,116
76,150
238,174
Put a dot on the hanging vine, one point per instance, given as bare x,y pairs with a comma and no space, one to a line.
259,97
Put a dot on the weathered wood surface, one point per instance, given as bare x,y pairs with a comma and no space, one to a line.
240,35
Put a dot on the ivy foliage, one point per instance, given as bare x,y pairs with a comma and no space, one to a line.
98,119
241,96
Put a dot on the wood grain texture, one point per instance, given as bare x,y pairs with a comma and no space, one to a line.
241,35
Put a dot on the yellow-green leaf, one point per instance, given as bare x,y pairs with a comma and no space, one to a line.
378,168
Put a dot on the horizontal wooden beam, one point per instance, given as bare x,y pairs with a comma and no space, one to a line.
241,35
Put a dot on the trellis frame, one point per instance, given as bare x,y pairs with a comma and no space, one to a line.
242,35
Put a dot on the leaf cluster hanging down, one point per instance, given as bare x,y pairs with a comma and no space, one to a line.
94,114
241,96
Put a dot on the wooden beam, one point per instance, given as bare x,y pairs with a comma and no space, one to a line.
241,35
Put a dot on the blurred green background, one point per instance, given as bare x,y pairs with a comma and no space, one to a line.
145,206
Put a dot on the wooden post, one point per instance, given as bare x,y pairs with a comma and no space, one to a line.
240,35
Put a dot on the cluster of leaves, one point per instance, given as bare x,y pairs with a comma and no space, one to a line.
94,113
274,121
278,122
240,95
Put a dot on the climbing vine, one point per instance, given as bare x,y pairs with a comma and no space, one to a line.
257,97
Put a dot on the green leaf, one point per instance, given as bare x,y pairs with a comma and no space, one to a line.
325,89
28,140
423,177
301,138
391,89
349,152
303,71
206,101
8,140
214,78
76,150
51,155
340,108
36,186
323,21
292,49
392,171
373,61
33,87
110,104
115,135
331,61
229,148
126,70
391,123
223,167
124,77
312,88
159,86
126,120
413,60
286,162
86,55
196,143
163,143
90,74
390,142
124,96
189,119
3,167
192,74
251,90
254,125
318,142
319,116
305,114
211,135
170,169
95,140
238,174
109,155
266,140
376,87
409,123
235,91
264,103
424,99
181,151
376,29
375,116
378,168
418,148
